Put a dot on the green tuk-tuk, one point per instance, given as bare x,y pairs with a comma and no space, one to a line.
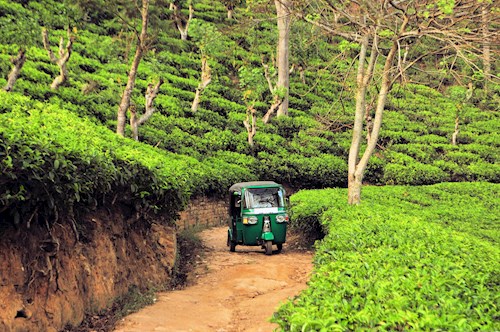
257,215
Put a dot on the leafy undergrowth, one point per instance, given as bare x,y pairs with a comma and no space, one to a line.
422,258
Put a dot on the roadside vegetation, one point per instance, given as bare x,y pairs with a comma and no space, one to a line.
408,257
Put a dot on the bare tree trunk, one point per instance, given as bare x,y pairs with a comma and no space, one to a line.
356,169
251,127
455,133
141,44
133,122
64,55
18,63
230,13
354,183
283,51
276,103
206,78
183,28
151,94
277,100
302,74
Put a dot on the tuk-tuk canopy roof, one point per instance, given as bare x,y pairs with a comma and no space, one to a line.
255,184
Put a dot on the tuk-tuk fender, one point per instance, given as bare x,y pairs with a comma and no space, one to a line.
268,236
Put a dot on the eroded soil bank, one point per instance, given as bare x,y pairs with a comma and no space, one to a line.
51,280
231,292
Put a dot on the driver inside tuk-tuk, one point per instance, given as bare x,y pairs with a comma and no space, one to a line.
263,198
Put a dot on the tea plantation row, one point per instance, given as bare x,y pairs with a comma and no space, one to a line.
423,258
306,150
47,173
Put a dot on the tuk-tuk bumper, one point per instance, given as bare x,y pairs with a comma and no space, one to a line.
267,236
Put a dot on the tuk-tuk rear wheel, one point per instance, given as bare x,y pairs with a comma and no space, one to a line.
280,246
269,247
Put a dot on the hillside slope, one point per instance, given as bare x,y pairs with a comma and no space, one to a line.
307,150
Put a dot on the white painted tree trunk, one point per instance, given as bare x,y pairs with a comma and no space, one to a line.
251,124
486,45
151,94
206,78
182,27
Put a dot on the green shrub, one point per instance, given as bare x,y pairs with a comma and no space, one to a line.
413,173
47,171
482,171
374,172
407,258
307,143
322,171
487,153
420,152
288,126
455,172
461,158
306,211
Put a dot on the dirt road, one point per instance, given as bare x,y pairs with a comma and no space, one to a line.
233,292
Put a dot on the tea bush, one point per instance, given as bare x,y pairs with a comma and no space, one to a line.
414,173
46,171
308,148
423,258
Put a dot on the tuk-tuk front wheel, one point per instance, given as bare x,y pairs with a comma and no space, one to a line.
231,244
269,247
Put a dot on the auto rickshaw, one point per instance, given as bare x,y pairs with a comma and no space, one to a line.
257,215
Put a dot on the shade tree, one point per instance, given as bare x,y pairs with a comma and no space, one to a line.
383,32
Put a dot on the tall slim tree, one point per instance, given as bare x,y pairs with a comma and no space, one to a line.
206,78
279,56
140,48
230,6
485,29
283,12
181,22
24,34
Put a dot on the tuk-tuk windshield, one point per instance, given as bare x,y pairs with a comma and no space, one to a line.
263,198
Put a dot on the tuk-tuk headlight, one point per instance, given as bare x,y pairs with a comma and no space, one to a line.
282,218
250,220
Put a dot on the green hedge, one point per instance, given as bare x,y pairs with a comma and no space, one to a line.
53,160
407,258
